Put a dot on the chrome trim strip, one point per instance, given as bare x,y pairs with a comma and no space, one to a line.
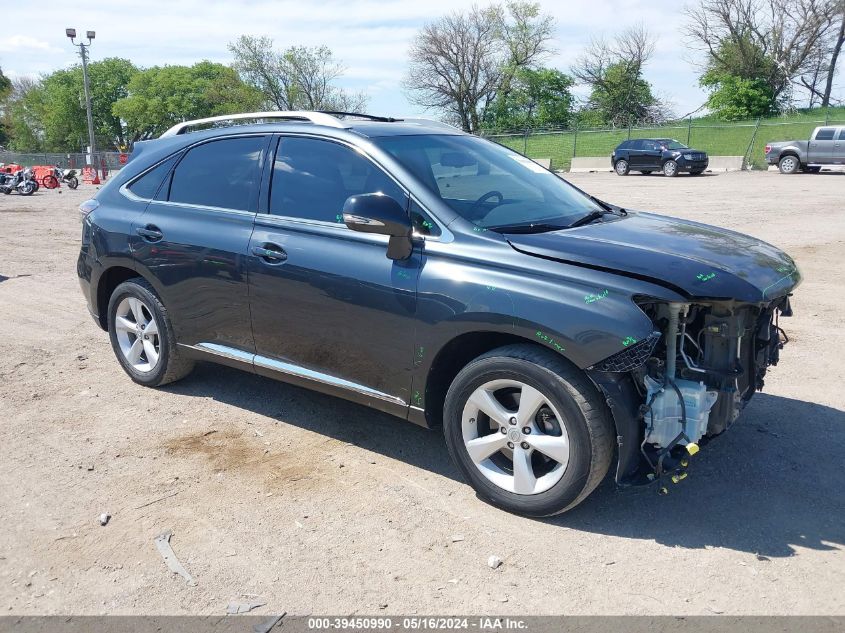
310,374
420,409
290,369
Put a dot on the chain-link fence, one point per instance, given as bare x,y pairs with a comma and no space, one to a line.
109,161
747,139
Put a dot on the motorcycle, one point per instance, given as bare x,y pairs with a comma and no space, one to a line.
67,176
21,181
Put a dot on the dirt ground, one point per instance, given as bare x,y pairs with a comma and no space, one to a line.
318,506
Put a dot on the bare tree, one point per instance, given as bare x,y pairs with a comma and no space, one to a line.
614,72
462,61
299,77
778,38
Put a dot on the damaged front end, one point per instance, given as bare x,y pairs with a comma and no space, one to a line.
688,381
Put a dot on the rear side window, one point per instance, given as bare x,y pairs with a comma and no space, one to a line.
825,134
841,134
147,185
223,173
312,178
625,145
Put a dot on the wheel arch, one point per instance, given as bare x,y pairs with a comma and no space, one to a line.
455,354
110,279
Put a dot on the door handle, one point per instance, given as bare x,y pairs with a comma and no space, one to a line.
270,253
150,233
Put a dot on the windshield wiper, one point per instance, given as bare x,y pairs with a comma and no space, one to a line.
528,227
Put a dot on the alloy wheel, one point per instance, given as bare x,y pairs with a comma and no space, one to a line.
137,334
515,436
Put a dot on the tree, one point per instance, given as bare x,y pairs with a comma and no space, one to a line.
619,94
825,59
535,98
297,78
162,96
771,41
5,89
462,62
22,115
737,81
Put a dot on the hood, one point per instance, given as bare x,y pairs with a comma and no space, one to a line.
695,259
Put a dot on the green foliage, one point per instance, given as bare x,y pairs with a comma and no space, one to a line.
622,97
159,97
741,78
734,98
5,89
535,98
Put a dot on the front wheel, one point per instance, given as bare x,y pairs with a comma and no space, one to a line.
72,182
142,336
670,168
622,167
528,431
28,188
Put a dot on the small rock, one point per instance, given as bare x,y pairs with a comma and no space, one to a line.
89,467
494,562
505,599
760,557
104,518
383,605
457,538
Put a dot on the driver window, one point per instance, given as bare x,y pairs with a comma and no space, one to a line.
312,178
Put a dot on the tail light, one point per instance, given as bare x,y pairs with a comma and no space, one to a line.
768,149
87,207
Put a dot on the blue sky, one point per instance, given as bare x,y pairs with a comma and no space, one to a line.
371,37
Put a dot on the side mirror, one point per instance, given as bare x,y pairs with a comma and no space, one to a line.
380,214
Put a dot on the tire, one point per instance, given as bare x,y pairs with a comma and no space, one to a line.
646,172
789,164
50,182
622,167
156,361
73,183
670,168
28,189
576,427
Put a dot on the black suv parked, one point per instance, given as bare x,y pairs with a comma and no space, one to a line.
441,278
657,154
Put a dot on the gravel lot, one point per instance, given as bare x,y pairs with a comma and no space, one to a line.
320,506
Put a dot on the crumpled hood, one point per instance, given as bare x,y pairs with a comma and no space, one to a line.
699,260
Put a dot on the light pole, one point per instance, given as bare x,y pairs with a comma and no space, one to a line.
83,53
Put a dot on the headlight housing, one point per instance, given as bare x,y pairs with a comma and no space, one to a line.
687,156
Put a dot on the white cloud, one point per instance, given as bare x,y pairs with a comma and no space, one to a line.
371,37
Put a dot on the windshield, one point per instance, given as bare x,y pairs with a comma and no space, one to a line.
487,184
673,144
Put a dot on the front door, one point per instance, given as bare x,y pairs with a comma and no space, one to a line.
327,304
193,240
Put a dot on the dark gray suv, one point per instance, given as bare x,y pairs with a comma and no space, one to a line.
441,278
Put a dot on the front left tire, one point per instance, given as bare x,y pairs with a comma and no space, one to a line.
670,168
142,335
528,430
622,167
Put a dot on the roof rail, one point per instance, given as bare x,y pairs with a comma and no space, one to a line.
433,123
361,115
318,118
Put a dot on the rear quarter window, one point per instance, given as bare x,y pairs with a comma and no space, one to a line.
146,186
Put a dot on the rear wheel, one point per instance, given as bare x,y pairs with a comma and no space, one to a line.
670,168
789,165
73,182
528,431
50,182
622,167
142,336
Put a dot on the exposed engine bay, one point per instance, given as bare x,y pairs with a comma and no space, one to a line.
689,380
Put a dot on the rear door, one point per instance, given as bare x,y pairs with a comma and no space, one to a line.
821,146
635,154
193,238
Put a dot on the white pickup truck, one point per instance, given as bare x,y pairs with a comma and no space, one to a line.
825,147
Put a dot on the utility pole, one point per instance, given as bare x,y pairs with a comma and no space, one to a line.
83,53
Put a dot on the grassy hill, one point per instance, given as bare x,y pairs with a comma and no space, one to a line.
717,138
